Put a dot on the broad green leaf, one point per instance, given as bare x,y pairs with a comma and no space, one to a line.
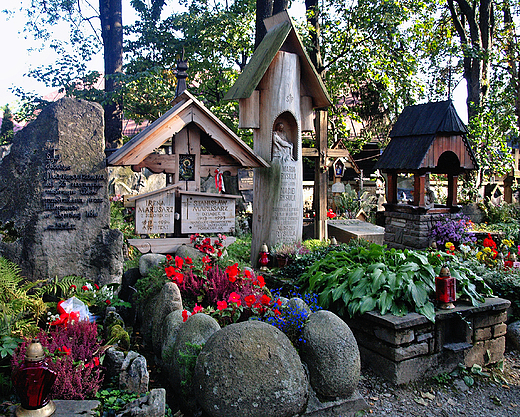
355,275
361,289
368,303
338,291
427,310
385,301
419,294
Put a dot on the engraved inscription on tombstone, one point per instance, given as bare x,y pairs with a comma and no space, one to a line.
155,213
67,197
207,214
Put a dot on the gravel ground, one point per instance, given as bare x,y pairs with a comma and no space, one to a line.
495,395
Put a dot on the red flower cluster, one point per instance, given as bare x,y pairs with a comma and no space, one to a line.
331,214
64,316
173,268
204,244
489,242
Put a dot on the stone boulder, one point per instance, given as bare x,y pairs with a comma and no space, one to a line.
151,405
169,300
331,354
149,261
186,251
172,323
113,362
513,334
134,376
250,369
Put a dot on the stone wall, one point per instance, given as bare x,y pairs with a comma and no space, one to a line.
408,348
409,230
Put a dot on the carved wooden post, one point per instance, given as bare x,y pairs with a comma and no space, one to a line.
418,189
321,177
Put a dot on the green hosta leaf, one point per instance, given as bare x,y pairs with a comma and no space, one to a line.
314,279
385,301
346,297
361,289
377,265
468,380
419,293
378,279
423,259
353,307
393,282
409,266
339,291
427,310
355,275
398,309
368,303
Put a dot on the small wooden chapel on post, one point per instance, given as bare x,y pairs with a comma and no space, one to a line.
426,138
278,92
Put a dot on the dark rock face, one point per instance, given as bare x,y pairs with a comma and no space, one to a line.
250,369
54,208
332,355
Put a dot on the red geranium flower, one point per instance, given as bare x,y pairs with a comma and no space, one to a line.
108,301
232,272
64,349
221,305
188,260
489,242
250,300
235,298
169,258
260,281
179,262
331,214
197,309
276,312
96,361
84,288
265,300
97,286
185,315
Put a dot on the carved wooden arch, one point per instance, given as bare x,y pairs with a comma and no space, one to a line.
448,163
292,130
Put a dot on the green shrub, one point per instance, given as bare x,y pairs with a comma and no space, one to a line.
360,279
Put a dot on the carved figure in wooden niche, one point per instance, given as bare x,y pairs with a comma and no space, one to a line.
282,147
429,195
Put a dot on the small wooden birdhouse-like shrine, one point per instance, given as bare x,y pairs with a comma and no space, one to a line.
188,144
426,138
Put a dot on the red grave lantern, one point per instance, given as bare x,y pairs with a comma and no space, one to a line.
264,257
445,290
33,382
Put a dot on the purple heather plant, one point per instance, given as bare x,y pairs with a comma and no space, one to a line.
455,229
74,353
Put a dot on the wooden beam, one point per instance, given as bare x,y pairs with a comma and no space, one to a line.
321,177
331,153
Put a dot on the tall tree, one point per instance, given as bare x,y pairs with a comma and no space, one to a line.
475,24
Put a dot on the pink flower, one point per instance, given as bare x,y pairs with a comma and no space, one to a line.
235,298
221,305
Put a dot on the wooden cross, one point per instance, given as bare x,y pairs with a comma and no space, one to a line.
321,172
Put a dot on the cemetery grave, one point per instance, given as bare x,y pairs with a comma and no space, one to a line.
194,304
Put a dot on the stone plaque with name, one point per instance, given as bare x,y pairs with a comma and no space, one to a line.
207,214
155,213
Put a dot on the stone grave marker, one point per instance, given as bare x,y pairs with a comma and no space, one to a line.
54,217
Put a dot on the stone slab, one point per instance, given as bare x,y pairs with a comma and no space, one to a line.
346,230
348,407
71,408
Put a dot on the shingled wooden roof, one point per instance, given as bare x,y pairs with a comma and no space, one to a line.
281,35
186,109
421,134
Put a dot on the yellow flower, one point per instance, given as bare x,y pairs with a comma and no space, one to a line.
487,250
479,255
450,245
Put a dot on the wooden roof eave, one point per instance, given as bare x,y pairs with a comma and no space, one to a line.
185,110
280,32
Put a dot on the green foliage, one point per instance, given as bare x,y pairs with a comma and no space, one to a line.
187,360
7,127
502,213
240,251
115,399
359,279
19,310
151,284
349,204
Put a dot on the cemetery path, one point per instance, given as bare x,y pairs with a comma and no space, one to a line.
430,398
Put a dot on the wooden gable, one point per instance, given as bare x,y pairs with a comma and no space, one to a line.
140,150
281,35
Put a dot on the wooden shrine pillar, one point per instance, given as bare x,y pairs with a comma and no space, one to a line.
452,190
321,177
419,190
391,188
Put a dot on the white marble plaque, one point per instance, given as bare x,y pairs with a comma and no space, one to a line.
207,214
154,213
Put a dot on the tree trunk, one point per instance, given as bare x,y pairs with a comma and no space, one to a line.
264,9
512,58
475,30
312,9
112,33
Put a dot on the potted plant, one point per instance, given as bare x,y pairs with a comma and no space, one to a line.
284,253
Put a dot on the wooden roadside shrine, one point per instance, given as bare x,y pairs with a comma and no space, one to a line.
188,143
278,92
426,138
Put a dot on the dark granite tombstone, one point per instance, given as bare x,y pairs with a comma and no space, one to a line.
54,209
